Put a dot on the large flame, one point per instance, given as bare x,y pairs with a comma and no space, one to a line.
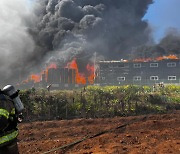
80,77
37,77
91,71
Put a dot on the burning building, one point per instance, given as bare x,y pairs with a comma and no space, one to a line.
48,30
68,76
140,71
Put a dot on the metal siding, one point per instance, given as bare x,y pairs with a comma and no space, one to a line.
162,71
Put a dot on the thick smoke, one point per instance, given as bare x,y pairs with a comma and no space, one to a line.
169,45
67,29
16,45
79,28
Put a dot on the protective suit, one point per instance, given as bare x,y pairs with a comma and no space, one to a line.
8,126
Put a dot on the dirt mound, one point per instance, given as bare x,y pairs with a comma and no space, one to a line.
143,134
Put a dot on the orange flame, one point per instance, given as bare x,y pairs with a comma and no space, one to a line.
80,78
52,65
167,57
91,70
37,77
156,59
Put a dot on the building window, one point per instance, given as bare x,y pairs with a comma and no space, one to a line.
171,64
154,78
171,77
153,64
138,65
103,78
121,65
121,78
137,78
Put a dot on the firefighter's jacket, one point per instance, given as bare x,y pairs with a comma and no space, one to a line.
8,122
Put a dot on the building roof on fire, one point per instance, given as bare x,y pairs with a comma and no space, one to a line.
136,61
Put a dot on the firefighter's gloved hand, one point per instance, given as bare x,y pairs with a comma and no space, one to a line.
20,117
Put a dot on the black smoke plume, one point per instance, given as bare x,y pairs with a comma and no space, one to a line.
60,30
169,45
78,28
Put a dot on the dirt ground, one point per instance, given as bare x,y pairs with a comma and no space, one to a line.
151,134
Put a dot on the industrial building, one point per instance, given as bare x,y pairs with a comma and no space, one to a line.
140,73
114,73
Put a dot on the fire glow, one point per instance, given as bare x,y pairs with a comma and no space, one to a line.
37,77
80,78
91,71
155,59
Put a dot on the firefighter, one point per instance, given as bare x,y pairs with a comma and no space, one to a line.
49,87
10,107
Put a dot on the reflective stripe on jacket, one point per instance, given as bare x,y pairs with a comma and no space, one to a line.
4,113
8,137
7,113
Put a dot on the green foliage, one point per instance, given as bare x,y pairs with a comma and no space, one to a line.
172,89
96,101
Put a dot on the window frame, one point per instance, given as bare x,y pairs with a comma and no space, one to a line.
152,65
124,65
137,65
172,77
170,64
122,77
103,78
137,78
154,77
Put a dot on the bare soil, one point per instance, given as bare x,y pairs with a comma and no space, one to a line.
151,134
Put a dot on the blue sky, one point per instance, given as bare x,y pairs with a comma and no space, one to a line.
162,15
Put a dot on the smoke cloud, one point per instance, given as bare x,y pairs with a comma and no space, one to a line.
79,28
15,42
60,30
170,44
